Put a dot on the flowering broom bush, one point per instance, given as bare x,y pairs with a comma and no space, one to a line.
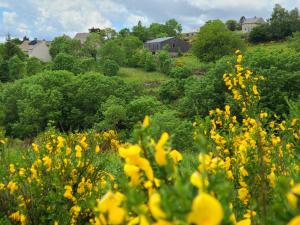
247,172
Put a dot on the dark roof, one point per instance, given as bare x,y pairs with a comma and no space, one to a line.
254,20
157,40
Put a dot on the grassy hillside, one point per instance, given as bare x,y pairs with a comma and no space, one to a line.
140,75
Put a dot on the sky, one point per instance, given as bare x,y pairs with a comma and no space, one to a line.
45,19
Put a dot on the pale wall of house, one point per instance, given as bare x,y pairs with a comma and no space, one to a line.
41,52
247,28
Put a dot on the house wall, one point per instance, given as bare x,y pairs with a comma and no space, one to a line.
248,27
41,51
174,44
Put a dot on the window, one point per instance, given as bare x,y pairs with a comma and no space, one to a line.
173,45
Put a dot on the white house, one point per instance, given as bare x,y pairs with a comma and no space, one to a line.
250,23
36,48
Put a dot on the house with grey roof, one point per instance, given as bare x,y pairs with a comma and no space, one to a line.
37,48
81,37
250,23
172,44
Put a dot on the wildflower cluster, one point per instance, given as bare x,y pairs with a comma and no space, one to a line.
58,179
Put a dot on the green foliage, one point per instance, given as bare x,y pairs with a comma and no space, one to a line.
150,62
64,61
91,45
33,66
112,50
140,107
232,25
169,121
180,72
214,41
199,97
262,33
171,90
70,102
110,68
64,44
16,67
294,42
164,62
86,64
130,44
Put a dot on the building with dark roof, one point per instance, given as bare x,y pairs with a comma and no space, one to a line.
250,23
172,44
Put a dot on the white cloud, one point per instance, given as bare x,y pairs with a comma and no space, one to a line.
9,18
132,20
71,15
11,21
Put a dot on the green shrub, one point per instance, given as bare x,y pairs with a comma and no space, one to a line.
110,68
180,72
150,62
64,61
164,62
214,41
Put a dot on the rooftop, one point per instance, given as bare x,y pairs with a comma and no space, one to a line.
254,20
157,40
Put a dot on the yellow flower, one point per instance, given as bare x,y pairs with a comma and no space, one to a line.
78,151
295,221
160,154
206,210
68,151
22,172
133,172
97,149
254,89
12,186
154,206
47,162
116,215
176,156
12,168
243,194
244,222
2,186
69,193
35,147
146,122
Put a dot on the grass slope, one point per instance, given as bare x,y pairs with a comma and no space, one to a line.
141,76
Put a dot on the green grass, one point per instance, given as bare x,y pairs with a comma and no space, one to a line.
269,46
141,76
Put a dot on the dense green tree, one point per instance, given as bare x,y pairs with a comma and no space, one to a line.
91,45
232,25
66,45
141,32
110,67
10,49
139,107
33,66
64,61
214,41
180,129
113,50
294,41
164,62
150,62
172,90
180,72
16,68
173,28
262,33
130,44
124,32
